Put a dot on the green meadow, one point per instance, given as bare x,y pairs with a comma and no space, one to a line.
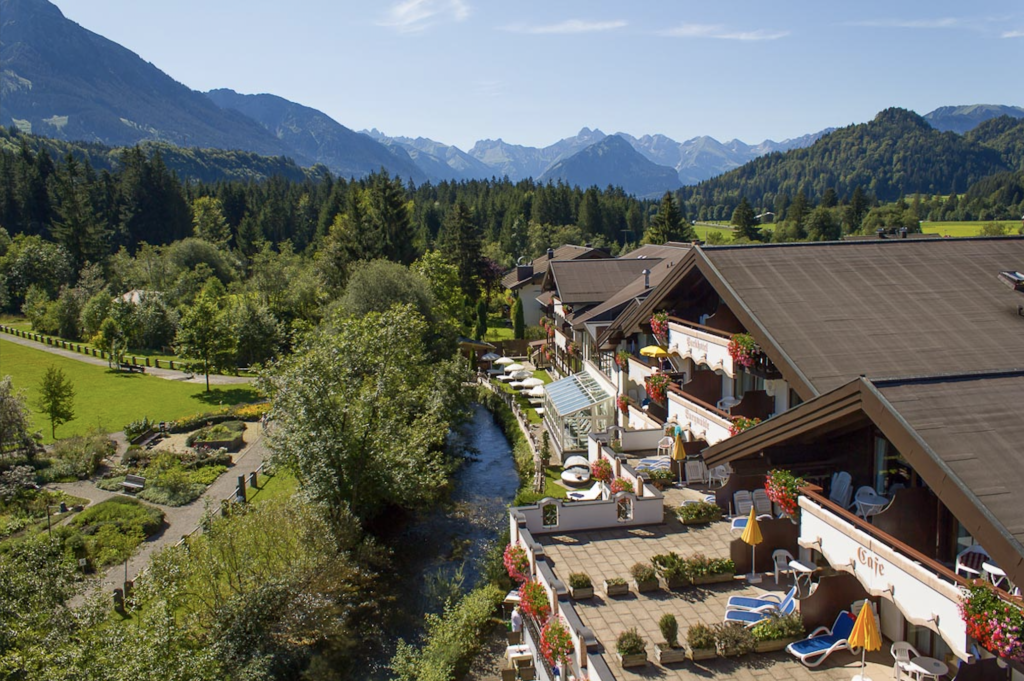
965,228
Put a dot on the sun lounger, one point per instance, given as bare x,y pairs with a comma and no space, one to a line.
751,617
766,601
592,494
823,641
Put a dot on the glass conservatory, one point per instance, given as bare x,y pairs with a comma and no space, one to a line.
574,407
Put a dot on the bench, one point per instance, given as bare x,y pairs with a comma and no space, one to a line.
133,483
132,368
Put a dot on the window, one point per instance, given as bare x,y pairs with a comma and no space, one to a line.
549,515
624,509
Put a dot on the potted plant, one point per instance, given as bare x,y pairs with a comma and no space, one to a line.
784,489
657,386
580,586
556,642
742,423
742,348
615,586
673,569
777,631
631,649
622,359
996,624
534,602
621,485
661,478
700,642
644,577
700,513
601,470
517,563
622,403
670,651
704,570
659,326
733,639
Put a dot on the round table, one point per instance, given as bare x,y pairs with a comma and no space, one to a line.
929,666
869,503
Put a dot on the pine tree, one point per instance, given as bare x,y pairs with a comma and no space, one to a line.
745,221
481,320
460,241
518,319
668,224
208,221
77,227
56,398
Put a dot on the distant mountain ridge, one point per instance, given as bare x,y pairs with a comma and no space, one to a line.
614,161
961,119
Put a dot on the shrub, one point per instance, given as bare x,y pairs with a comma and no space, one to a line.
111,484
621,485
642,572
777,627
700,637
615,581
77,458
703,511
122,512
251,412
630,643
733,638
669,629
533,601
700,565
580,580
227,430
137,428
661,476
555,642
206,475
601,470
517,563
670,565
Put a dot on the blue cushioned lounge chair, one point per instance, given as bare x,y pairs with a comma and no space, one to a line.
752,617
822,642
767,602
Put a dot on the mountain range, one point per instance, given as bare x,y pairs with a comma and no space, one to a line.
63,81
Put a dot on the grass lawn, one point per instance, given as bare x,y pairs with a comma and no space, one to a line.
497,329
280,485
965,228
106,400
553,476
703,229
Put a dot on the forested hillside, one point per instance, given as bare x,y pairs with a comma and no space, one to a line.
1004,134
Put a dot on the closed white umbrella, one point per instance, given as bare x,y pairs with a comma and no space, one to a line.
491,357
574,461
532,382
513,368
521,375
536,392
504,360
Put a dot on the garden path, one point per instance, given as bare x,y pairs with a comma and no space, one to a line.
168,374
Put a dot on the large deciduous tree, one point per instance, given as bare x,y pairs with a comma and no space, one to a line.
56,398
204,336
15,436
361,413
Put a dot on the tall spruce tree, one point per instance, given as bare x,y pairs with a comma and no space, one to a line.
745,221
460,241
77,227
668,224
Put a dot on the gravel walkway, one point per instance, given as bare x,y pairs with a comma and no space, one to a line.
168,374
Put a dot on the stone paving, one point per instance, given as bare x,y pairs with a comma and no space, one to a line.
610,553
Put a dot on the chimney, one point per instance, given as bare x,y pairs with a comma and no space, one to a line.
524,272
647,279
551,254
903,232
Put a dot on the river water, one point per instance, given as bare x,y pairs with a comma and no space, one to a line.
457,535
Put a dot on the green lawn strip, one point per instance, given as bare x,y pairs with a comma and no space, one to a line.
542,375
972,228
552,478
524,403
106,400
280,485
497,329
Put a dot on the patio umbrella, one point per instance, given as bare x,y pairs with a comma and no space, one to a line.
536,392
504,360
678,454
511,368
532,382
865,636
653,351
521,374
491,357
752,536
576,461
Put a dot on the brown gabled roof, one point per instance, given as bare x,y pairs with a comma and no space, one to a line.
670,250
540,264
593,281
629,295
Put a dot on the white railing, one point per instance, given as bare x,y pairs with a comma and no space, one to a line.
700,346
639,420
638,371
922,596
701,421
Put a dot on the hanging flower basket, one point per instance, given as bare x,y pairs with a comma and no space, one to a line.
574,349
622,359
659,326
621,485
601,470
622,402
657,386
556,642
742,349
784,489
517,563
533,601
741,423
997,625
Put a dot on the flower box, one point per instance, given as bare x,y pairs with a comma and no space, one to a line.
581,593
664,654
638,660
615,589
701,653
649,585
714,579
679,582
773,646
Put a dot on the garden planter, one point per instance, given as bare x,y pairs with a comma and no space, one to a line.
696,654
581,593
638,660
666,655
714,579
773,646
678,582
696,521
641,587
616,589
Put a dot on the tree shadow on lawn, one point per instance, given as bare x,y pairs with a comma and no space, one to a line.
225,396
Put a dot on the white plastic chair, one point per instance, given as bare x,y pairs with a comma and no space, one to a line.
719,474
968,561
781,558
902,653
696,471
665,446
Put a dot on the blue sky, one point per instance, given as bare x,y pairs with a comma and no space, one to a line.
531,72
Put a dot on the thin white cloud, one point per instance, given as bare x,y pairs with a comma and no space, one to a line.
719,32
415,16
569,26
1013,34
943,22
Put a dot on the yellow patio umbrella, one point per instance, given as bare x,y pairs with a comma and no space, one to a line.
752,536
655,351
678,454
865,635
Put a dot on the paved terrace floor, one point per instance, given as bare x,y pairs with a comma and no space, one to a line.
610,553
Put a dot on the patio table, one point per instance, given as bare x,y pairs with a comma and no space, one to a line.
517,652
928,666
802,576
869,503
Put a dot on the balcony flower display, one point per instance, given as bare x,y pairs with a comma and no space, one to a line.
621,485
601,470
657,386
997,625
517,563
783,489
533,601
622,402
741,423
742,349
622,359
573,349
659,326
555,642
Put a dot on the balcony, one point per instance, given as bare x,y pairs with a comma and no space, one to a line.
702,344
704,420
